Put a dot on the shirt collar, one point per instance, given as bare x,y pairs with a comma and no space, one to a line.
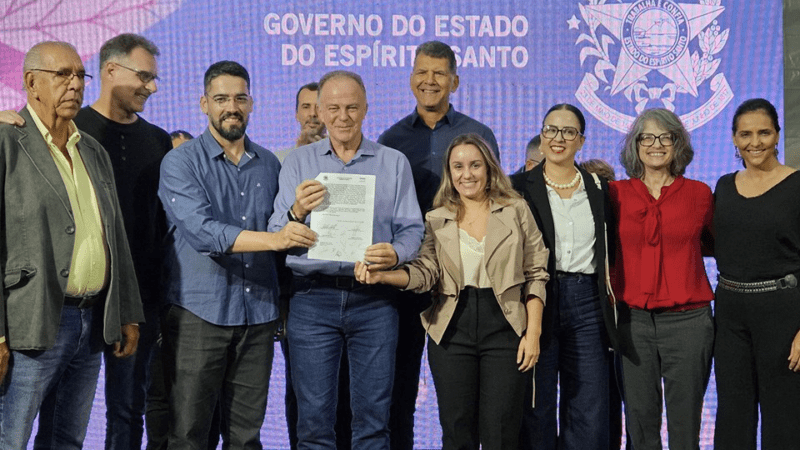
74,134
449,117
214,150
365,148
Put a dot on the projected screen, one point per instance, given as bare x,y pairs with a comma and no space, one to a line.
612,59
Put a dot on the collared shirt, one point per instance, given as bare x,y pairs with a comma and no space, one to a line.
425,147
209,201
574,225
88,269
397,219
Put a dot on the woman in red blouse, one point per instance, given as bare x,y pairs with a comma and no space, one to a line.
666,328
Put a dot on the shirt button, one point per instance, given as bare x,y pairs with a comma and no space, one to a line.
64,273
258,184
247,266
122,147
247,289
70,229
124,158
244,217
122,137
242,194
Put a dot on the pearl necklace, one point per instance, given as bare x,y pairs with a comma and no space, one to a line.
569,185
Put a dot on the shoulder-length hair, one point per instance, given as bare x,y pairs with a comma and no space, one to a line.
682,144
498,186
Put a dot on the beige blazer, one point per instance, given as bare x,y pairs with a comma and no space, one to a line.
515,259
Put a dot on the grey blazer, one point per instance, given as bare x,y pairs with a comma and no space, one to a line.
37,236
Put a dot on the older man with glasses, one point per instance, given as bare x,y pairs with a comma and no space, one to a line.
127,79
69,276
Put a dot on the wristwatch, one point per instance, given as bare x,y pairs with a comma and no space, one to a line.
292,217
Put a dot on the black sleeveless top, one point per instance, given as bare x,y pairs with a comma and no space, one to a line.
757,238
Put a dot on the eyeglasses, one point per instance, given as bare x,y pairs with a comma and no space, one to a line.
222,100
66,75
648,140
144,76
568,133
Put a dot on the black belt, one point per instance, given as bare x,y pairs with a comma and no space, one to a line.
560,274
757,287
84,302
338,282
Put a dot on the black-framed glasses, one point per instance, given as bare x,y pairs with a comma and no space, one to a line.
648,139
144,76
66,75
568,133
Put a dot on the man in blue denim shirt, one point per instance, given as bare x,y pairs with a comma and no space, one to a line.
328,309
222,286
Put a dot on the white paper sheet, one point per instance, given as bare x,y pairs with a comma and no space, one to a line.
343,222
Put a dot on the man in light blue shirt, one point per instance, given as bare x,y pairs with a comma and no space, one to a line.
222,287
328,308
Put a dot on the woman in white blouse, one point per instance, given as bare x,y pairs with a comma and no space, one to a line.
484,256
578,325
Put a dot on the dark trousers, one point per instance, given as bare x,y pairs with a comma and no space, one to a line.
157,410
675,347
754,335
408,361
126,381
205,363
576,355
478,385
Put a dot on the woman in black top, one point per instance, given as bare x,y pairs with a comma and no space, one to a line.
757,351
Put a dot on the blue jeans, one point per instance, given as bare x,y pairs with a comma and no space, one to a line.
322,320
578,354
70,368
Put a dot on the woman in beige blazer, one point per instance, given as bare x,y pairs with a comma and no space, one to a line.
484,256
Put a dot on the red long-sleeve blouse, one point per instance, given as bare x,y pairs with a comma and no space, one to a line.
659,260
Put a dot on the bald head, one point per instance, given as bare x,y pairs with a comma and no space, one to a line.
54,80
34,57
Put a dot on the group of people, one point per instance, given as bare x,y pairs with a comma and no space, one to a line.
198,257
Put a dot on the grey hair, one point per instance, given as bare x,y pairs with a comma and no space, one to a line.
533,145
344,74
122,46
33,59
682,144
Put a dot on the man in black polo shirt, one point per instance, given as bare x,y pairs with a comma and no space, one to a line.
423,136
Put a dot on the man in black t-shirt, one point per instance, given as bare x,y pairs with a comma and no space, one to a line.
128,76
